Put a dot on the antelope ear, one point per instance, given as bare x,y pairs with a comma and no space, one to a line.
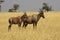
24,12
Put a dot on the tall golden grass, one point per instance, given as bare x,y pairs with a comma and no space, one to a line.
47,29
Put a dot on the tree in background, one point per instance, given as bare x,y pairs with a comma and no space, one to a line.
14,9
0,4
46,7
11,10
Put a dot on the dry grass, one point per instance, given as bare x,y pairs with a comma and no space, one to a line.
47,29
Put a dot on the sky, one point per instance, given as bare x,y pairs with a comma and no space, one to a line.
29,5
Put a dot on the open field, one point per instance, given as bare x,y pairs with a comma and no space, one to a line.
47,29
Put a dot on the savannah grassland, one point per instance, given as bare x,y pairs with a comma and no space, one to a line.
47,29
